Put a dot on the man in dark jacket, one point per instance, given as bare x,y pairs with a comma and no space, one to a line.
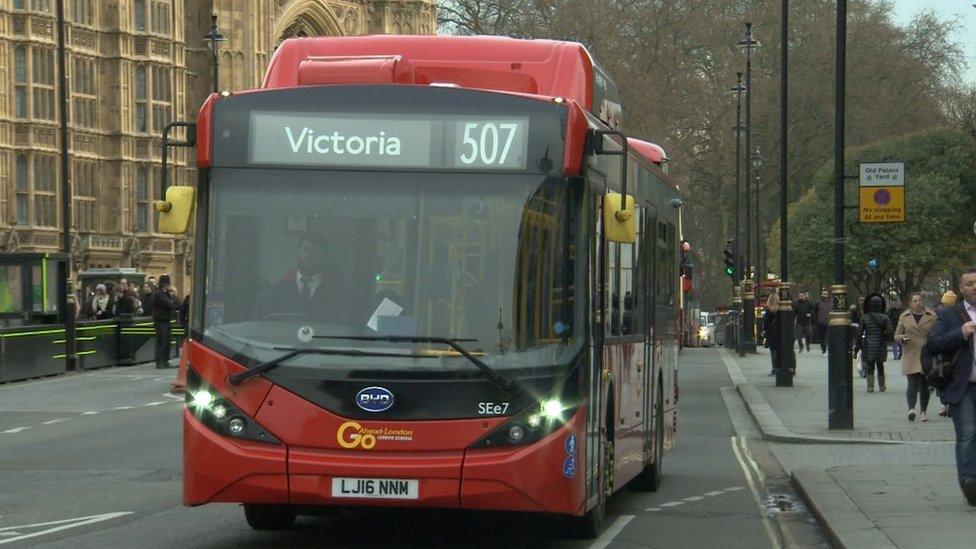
145,295
953,331
165,304
803,315
894,314
822,317
306,292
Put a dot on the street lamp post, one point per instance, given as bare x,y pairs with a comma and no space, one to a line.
70,356
840,398
760,273
748,295
214,38
784,356
757,162
737,89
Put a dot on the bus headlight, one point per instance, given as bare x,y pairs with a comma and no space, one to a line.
219,414
202,399
532,424
552,409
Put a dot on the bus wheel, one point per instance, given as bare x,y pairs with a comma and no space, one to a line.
269,517
649,480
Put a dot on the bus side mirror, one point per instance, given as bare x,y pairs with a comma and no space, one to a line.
175,211
619,224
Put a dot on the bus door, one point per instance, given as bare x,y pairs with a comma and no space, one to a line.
649,262
596,305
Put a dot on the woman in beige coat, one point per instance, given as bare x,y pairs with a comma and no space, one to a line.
913,329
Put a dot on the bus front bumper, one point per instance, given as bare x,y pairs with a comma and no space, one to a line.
533,478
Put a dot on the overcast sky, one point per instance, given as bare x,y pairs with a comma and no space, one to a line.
947,9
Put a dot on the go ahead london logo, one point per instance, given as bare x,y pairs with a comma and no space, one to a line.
374,399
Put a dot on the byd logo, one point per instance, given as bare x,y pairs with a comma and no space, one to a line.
374,399
357,438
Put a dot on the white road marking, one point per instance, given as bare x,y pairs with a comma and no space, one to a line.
64,525
611,532
89,413
157,403
56,420
15,430
174,397
692,499
10,534
755,481
122,408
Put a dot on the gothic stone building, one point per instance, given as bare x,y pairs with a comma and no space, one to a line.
132,67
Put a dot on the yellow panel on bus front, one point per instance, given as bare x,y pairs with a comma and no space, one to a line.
882,205
176,210
614,229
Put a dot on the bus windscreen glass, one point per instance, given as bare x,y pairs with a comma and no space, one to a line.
294,253
388,141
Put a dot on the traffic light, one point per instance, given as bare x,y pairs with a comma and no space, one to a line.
730,257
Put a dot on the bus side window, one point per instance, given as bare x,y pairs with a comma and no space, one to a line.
613,288
629,270
671,277
638,299
662,263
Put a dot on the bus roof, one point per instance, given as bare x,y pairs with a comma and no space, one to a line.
650,151
537,67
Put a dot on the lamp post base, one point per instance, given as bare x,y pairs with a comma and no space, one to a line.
785,360
840,396
748,341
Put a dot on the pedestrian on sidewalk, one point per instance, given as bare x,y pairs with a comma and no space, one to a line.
894,315
165,304
948,300
872,339
803,313
913,330
953,331
771,327
822,316
856,312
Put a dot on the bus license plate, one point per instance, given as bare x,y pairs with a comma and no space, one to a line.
382,488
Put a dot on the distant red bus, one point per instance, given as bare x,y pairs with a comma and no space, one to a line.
429,273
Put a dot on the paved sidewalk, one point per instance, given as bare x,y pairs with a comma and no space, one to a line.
887,483
877,416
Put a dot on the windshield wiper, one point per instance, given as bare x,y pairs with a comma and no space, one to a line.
490,372
292,353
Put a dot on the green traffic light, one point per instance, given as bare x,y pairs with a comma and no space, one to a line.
729,271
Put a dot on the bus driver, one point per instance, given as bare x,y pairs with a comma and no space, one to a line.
306,292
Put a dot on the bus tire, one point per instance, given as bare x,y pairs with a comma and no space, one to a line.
269,517
649,480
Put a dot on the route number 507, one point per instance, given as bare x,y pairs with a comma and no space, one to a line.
487,142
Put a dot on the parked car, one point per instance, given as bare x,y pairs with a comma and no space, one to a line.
708,323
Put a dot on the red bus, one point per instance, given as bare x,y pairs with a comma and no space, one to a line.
429,272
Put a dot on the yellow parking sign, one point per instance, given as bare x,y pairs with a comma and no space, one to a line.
882,192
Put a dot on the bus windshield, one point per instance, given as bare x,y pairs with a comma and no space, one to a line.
487,258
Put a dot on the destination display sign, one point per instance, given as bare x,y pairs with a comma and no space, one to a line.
388,141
